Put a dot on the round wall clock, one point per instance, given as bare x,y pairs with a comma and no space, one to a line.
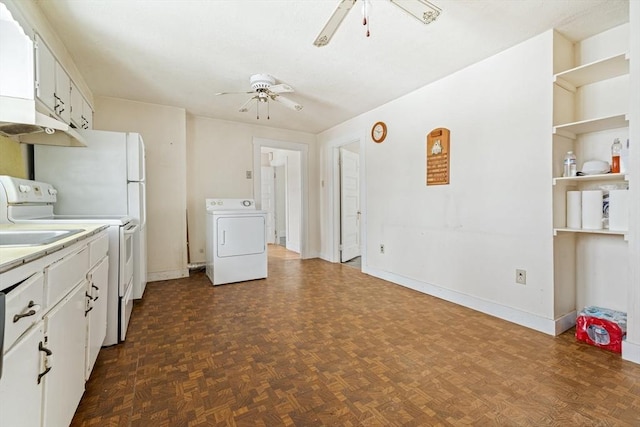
379,132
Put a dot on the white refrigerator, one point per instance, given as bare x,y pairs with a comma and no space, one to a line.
105,178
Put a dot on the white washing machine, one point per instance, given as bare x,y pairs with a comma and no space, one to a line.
236,242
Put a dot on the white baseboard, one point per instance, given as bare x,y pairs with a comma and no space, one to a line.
519,317
631,352
566,322
167,275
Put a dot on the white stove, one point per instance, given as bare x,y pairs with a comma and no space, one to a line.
25,201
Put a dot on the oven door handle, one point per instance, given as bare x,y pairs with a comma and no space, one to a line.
131,229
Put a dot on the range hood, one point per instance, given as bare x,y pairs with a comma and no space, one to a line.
19,119
18,115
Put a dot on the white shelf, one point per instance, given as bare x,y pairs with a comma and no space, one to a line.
571,130
604,69
584,178
585,231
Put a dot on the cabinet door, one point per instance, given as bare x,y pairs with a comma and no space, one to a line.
98,279
76,106
45,75
20,388
66,332
63,94
87,115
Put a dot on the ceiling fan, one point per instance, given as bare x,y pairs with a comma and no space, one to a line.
423,10
265,89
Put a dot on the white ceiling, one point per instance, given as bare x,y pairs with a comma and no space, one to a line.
182,52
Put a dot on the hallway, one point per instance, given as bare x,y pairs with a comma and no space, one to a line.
318,344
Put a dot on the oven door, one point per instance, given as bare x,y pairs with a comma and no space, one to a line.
126,307
127,235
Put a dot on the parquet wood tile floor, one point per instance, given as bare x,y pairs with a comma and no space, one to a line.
321,344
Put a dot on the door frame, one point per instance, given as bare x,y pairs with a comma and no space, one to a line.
303,149
334,198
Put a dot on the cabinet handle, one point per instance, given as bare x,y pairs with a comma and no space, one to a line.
44,349
47,352
27,314
46,371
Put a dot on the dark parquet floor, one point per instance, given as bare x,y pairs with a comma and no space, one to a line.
321,344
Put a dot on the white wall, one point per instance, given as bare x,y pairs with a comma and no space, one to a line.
631,347
463,241
219,154
164,132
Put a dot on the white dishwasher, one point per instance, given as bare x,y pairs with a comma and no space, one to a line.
236,243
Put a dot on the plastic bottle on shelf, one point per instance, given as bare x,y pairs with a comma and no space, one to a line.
616,150
624,158
570,168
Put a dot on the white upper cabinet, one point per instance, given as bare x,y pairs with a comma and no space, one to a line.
56,92
45,75
63,94
81,112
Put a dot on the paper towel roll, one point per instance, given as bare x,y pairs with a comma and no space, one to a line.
574,209
619,210
592,210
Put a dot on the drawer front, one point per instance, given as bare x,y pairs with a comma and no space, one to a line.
98,249
63,275
24,307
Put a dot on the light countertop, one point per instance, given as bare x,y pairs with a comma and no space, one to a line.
14,256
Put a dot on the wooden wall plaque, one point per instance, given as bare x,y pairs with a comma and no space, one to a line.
438,157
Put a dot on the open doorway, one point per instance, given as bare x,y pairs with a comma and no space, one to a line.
280,186
281,196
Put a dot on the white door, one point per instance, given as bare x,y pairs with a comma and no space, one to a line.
349,205
281,203
269,201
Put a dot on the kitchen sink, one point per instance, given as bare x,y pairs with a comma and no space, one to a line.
34,237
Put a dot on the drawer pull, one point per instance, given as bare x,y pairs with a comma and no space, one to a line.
27,314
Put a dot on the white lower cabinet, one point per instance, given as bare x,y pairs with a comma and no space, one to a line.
21,384
65,338
98,280
56,317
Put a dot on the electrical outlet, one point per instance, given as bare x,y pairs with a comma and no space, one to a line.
381,249
521,276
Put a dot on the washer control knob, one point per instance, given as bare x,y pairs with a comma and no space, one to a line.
246,203
53,191
24,188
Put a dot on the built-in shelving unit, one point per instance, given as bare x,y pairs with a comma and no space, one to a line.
585,178
593,72
572,130
590,109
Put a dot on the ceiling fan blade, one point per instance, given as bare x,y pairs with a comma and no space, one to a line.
245,107
233,93
288,103
423,10
334,22
281,88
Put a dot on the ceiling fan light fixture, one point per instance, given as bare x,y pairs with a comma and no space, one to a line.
423,10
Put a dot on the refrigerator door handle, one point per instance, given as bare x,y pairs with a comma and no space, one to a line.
131,229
